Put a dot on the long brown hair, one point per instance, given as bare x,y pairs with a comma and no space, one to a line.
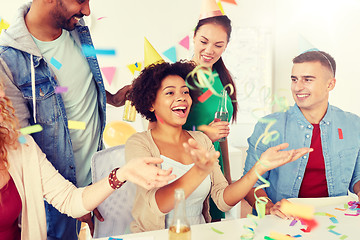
9,133
219,66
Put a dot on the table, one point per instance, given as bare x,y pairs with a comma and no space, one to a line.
233,229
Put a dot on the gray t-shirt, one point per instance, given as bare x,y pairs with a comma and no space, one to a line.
80,100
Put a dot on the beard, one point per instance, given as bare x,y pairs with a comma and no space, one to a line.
61,19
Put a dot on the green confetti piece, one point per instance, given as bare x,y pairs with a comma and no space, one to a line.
331,227
268,238
217,231
346,206
343,237
320,214
31,129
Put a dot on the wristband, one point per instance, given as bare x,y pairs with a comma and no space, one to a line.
114,181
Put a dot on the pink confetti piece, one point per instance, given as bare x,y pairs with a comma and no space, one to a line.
205,96
350,214
159,119
100,18
60,89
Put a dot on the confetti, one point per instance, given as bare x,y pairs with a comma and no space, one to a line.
60,89
205,96
90,51
350,214
216,230
293,222
31,129
76,125
269,238
22,139
298,210
336,233
340,133
340,209
159,119
55,63
280,236
334,220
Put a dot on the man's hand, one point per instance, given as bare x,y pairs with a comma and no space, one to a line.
88,219
119,98
275,157
274,209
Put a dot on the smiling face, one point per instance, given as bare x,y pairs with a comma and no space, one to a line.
310,87
210,42
173,101
67,13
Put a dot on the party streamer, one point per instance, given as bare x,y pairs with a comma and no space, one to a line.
204,78
265,138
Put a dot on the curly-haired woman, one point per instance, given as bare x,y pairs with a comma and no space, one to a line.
160,94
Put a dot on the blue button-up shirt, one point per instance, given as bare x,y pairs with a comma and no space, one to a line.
340,139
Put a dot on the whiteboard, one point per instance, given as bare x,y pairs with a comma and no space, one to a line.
249,58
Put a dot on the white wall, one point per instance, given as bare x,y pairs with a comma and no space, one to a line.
329,25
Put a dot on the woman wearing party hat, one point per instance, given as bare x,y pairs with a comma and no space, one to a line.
211,37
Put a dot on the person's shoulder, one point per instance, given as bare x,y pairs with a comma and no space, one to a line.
344,115
25,148
200,137
140,137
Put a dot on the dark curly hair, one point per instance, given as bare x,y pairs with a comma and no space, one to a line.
147,84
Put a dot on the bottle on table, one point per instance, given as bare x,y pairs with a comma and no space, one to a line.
180,227
222,113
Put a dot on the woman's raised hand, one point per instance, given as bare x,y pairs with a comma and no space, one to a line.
143,172
202,158
274,157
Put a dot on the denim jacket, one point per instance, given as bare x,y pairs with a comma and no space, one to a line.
340,139
16,50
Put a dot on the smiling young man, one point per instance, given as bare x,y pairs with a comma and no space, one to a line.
333,167
40,51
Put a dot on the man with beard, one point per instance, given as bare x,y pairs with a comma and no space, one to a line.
46,33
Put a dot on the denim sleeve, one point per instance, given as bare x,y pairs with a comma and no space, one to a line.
254,154
356,175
